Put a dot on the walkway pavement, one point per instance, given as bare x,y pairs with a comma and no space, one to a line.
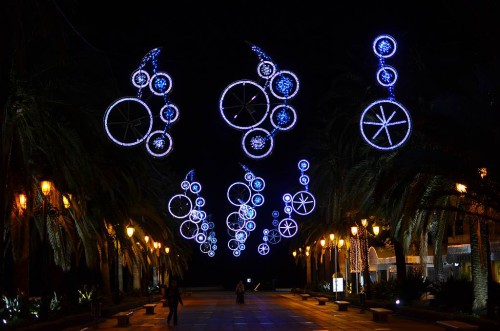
218,311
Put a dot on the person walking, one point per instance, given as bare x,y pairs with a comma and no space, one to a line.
240,292
173,299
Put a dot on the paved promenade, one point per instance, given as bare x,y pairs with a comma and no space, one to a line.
218,311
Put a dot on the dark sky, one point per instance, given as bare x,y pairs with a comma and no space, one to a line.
204,49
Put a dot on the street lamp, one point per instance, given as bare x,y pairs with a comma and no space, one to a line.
354,231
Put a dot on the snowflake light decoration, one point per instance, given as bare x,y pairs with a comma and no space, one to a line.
385,124
129,121
247,197
195,224
245,105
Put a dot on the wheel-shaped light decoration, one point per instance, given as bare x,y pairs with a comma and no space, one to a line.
263,249
245,104
274,236
238,194
129,121
303,203
195,224
287,227
385,124
180,206
159,143
257,143
247,197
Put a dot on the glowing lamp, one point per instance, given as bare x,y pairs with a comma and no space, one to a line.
364,222
341,242
332,236
159,245
22,200
167,249
294,253
307,253
146,239
482,172
354,230
308,248
322,242
130,230
46,186
66,201
376,230
461,188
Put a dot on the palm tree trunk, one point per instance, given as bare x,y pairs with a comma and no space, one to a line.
478,266
136,276
105,274
400,260
438,247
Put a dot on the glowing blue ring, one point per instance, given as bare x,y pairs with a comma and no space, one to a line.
294,77
265,231
148,115
204,226
303,165
241,247
266,65
249,176
264,238
243,83
394,77
145,81
241,236
195,216
250,225
188,229
258,184
384,124
385,38
181,205
241,194
287,197
257,200
159,75
275,213
288,228
200,202
247,212
233,244
267,147
159,138
303,202
275,223
292,122
288,210
236,252
201,238
263,249
205,247
304,179
211,253
274,237
175,116
195,187
185,185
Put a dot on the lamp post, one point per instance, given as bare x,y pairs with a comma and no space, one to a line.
354,231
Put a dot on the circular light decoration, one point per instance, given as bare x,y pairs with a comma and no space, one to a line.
257,143
385,124
303,203
288,227
263,249
128,121
244,105
196,224
247,197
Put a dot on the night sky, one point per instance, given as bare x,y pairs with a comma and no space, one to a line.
204,49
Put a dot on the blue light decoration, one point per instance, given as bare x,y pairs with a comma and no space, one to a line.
301,203
129,121
247,197
246,105
385,124
195,224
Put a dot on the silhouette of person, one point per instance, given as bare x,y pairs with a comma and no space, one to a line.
173,299
240,292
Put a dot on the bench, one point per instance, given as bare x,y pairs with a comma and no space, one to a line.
305,296
380,314
150,308
342,305
164,302
322,300
123,318
457,325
